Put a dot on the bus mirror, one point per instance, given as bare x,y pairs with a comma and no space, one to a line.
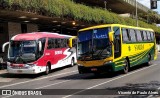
4,45
70,43
111,36
40,46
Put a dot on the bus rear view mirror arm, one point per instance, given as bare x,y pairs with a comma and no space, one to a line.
4,45
111,36
40,46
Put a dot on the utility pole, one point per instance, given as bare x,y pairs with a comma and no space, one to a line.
136,14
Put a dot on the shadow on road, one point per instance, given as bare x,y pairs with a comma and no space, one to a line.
100,76
29,76
140,90
69,77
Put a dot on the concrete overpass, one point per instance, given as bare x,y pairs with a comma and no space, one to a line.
121,7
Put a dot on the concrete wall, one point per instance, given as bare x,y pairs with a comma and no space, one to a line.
11,29
32,28
3,38
4,33
14,28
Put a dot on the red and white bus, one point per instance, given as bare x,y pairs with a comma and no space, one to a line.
32,53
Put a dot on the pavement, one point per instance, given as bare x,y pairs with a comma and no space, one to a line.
66,82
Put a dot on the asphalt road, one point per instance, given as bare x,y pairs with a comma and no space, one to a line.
141,82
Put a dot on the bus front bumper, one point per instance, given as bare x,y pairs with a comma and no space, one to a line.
32,70
95,69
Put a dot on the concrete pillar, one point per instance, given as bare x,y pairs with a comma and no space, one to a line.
13,29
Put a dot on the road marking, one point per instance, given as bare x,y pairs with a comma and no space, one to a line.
52,84
37,79
116,78
42,87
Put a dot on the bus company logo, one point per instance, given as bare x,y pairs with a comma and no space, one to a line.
6,92
58,52
129,48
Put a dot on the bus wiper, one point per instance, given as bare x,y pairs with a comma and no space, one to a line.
19,57
100,53
86,55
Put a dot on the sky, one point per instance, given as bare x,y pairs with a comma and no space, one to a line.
147,3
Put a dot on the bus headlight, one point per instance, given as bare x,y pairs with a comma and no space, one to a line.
79,65
108,62
30,65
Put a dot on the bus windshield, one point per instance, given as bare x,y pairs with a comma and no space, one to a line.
94,44
23,49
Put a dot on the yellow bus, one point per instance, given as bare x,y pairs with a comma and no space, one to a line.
114,47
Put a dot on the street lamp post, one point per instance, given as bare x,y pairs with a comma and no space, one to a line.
105,4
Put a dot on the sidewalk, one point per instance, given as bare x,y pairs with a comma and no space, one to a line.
3,76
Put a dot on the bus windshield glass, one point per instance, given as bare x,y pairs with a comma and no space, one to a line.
23,49
94,44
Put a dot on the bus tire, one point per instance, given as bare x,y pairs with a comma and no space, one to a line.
149,60
126,66
72,62
47,69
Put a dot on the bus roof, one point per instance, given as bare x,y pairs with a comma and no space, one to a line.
108,25
38,35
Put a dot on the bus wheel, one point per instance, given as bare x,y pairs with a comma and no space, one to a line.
47,69
126,67
149,60
72,62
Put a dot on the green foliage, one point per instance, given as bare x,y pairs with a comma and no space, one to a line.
67,8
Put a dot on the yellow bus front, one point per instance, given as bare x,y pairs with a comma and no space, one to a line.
95,51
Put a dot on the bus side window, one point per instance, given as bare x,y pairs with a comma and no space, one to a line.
49,43
132,35
152,36
56,43
148,36
66,43
144,36
139,36
62,44
125,35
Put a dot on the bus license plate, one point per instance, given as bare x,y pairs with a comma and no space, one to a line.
19,71
93,69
